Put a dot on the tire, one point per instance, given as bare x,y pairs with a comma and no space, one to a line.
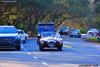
18,47
60,33
79,36
24,41
71,36
59,49
40,47
98,39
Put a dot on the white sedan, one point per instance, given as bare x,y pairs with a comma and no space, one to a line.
92,32
23,36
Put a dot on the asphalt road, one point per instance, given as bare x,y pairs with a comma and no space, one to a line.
75,51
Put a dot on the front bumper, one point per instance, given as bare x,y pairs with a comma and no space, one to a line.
54,45
9,44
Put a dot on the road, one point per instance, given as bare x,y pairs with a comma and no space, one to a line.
75,51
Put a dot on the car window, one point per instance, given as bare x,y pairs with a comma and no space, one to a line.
20,32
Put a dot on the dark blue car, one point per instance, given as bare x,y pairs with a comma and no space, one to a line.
9,38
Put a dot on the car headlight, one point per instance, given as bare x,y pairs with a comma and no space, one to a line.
42,41
60,41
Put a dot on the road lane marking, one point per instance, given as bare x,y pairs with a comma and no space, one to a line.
28,52
67,46
35,57
11,52
44,63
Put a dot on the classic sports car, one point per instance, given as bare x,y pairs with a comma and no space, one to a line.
23,36
50,40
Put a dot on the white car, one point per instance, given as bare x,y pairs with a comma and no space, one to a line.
50,40
92,32
23,36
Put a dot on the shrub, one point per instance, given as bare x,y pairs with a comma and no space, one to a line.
92,39
83,31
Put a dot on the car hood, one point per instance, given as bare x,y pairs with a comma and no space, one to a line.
8,35
51,39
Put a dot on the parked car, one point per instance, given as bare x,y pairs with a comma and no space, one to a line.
64,30
9,38
75,32
93,32
23,36
50,40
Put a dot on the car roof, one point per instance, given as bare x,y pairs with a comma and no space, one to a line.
20,30
7,26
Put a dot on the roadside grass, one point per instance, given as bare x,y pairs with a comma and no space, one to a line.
92,39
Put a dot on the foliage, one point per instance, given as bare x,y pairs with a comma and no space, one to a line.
82,30
93,39
29,12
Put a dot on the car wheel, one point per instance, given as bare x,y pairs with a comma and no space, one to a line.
40,48
24,41
71,36
37,42
59,49
79,36
60,33
98,39
18,47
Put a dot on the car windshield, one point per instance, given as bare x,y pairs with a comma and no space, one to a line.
47,34
7,30
20,32
76,30
64,28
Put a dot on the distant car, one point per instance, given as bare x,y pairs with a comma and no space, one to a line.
9,38
23,36
64,30
50,40
75,32
93,32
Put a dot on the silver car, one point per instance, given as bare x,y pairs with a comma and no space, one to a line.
75,33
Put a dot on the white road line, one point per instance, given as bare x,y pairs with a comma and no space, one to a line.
28,52
44,63
10,52
82,51
67,46
35,57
